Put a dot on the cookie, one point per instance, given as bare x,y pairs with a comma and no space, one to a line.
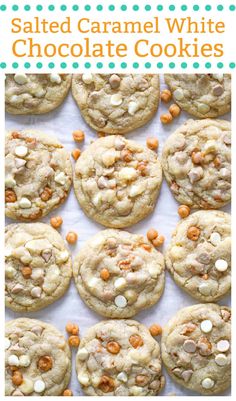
196,163
38,174
119,358
38,359
118,274
195,348
202,95
35,93
199,255
37,266
116,103
117,181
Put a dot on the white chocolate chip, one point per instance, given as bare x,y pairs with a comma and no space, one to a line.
87,78
20,79
62,257
116,99
10,182
127,174
24,203
17,288
122,377
136,391
204,288
8,251
120,301
203,108
60,178
39,386
27,387
206,326
40,93
21,151
19,162
221,360
55,78
7,343
136,190
189,346
221,265
120,283
93,282
82,354
219,77
83,379
109,157
36,292
13,360
114,81
97,199
132,108
10,271
222,345
215,238
15,99
178,94
207,383
24,360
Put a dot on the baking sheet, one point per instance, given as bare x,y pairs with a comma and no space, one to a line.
62,122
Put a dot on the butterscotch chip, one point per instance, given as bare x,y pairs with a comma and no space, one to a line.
174,110
78,136
136,341
10,196
76,153
26,271
45,363
184,211
104,274
193,233
166,118
155,330
56,221
74,341
67,393
17,378
113,347
106,384
46,194
166,95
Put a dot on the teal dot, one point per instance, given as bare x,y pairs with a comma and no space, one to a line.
208,65
196,7
184,7
99,7
27,65
87,65
87,7
63,65
123,65
111,65
39,8
148,7
39,65
172,7
99,65
135,7
51,65
220,65
75,8
3,65
123,7
15,65
63,7
51,7
111,7
75,65
3,8
172,65
148,65
159,65
15,7
220,7
208,8
195,65
184,65
232,65
27,7
232,7
159,7
135,65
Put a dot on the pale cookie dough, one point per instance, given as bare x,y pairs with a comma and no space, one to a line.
117,181
196,350
37,266
118,274
116,103
38,354
35,93
119,358
199,255
38,174
196,162
202,95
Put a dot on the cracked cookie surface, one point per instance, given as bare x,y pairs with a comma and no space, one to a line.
117,181
119,358
118,274
35,93
196,350
116,103
196,161
38,359
37,266
38,174
199,255
202,95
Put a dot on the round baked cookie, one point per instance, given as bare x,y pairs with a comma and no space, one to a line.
37,266
195,348
196,162
119,358
116,103
38,359
117,181
202,95
38,174
118,274
35,93
199,255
